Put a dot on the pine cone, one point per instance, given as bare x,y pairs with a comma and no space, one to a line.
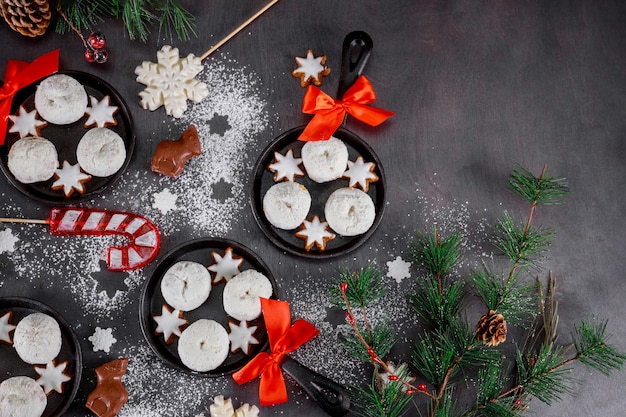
491,328
30,18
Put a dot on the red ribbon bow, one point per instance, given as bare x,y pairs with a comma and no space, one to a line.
19,74
283,338
329,113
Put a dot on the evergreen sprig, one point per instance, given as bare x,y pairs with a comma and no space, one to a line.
439,255
542,190
545,375
590,342
138,16
363,287
380,337
437,309
381,398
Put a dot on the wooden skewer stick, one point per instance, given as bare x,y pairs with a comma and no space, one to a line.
16,220
238,29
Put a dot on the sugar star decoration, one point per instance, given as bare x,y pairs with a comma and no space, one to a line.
26,123
315,232
6,328
170,82
286,166
225,267
102,339
70,178
164,201
169,323
52,377
360,173
311,69
398,269
241,336
101,113
7,241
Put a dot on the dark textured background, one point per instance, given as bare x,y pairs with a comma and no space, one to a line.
477,87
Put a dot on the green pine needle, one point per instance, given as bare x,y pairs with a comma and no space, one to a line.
491,380
542,190
364,287
592,350
435,309
521,245
175,18
438,255
380,337
381,399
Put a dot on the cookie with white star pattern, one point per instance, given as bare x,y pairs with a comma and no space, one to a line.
6,328
286,167
170,323
53,376
315,233
26,123
311,69
360,173
100,113
225,266
70,178
241,336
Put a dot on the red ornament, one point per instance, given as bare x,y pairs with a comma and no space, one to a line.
422,387
97,40
350,319
101,56
89,55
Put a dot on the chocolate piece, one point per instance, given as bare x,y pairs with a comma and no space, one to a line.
110,395
171,155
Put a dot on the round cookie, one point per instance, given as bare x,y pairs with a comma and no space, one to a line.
21,396
32,159
101,152
286,204
325,160
37,338
203,346
186,285
242,292
60,99
349,211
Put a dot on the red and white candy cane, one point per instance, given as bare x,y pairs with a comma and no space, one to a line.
143,234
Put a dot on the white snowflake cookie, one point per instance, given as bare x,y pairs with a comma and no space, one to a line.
102,339
170,82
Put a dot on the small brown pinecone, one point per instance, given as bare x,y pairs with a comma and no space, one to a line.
491,328
28,17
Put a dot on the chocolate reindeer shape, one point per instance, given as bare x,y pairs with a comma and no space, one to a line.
110,395
171,155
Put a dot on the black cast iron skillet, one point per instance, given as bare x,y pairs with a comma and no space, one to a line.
331,397
357,48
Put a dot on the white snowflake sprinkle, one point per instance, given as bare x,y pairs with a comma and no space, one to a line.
398,269
164,201
7,241
102,339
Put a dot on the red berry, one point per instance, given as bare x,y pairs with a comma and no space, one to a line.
350,319
343,287
410,391
101,56
392,377
97,40
89,55
422,387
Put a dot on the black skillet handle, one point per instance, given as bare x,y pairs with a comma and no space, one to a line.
357,48
331,397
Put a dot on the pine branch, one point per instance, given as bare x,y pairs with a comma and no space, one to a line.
438,255
363,287
542,190
593,351
438,309
175,18
380,338
381,399
82,13
137,18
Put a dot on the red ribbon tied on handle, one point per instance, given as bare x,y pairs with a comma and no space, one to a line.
19,74
283,338
329,113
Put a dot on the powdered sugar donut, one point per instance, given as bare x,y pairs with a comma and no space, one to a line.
37,338
101,152
325,160
286,204
203,346
60,99
22,396
33,159
349,211
242,292
186,285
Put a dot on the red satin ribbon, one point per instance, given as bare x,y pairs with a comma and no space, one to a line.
19,74
329,113
283,338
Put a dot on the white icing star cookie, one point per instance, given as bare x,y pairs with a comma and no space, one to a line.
70,178
101,113
361,173
315,232
311,69
6,328
286,166
26,123
225,267
241,337
170,323
52,377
